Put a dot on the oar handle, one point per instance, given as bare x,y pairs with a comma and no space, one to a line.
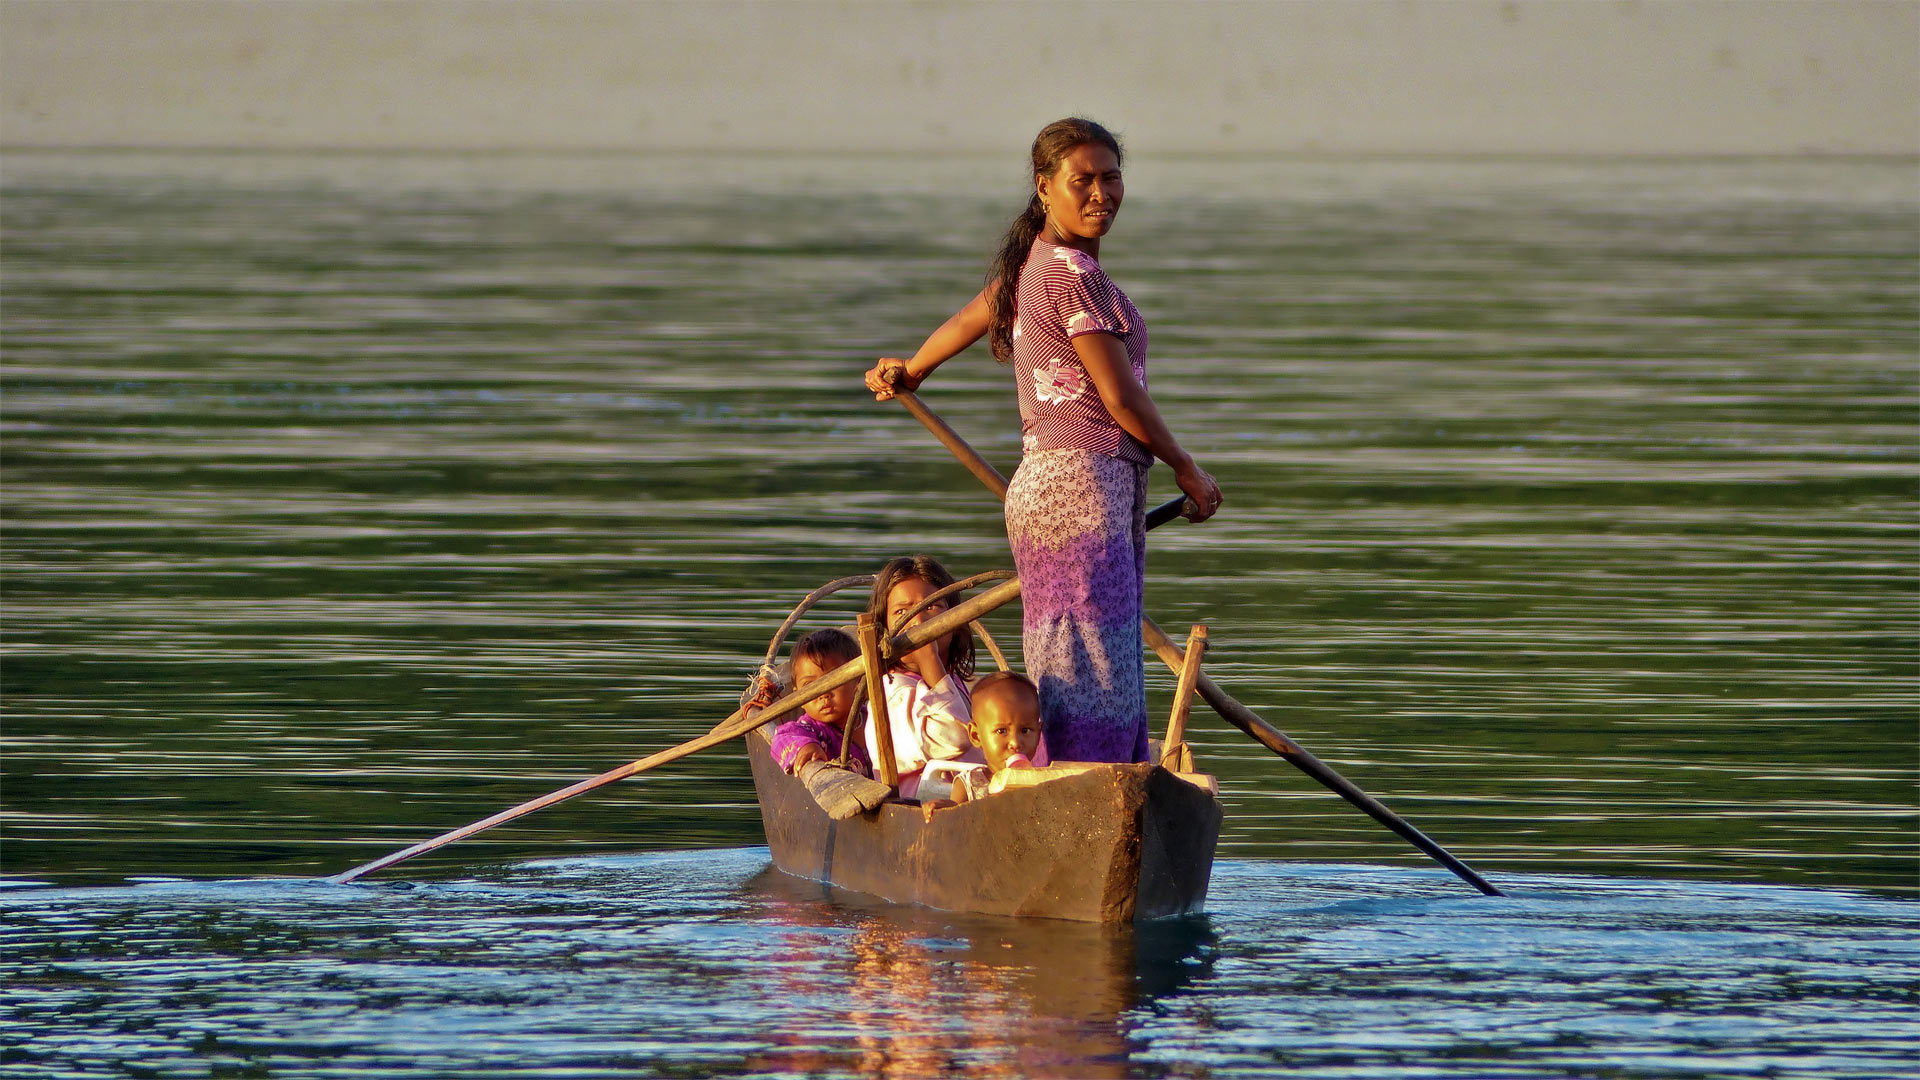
1167,511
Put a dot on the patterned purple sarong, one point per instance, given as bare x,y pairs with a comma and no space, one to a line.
1076,520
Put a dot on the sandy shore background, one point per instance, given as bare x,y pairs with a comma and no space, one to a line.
1433,76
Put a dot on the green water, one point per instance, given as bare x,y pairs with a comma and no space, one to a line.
1571,505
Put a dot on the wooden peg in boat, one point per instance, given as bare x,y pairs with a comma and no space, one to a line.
883,758
1175,754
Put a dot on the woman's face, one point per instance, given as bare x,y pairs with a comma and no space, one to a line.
1082,197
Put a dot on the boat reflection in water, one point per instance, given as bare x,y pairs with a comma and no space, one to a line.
905,991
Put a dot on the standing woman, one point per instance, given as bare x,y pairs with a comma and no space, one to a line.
1075,509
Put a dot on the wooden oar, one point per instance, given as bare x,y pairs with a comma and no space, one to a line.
1230,710
1271,737
734,726
989,475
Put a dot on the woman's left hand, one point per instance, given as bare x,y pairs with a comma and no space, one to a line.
1203,494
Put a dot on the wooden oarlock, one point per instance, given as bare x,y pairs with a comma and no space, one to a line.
883,758
1175,754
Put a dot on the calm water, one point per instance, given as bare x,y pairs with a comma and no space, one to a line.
348,499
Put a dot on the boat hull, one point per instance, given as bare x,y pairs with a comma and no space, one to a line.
1119,844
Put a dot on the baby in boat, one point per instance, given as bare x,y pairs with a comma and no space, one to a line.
928,704
816,735
1006,729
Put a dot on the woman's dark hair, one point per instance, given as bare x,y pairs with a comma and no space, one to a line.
959,656
828,649
1055,141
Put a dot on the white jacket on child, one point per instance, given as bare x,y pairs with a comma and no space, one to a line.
927,723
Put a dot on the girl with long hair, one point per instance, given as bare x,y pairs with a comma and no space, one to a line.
929,705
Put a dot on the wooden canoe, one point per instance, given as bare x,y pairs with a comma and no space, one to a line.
1120,843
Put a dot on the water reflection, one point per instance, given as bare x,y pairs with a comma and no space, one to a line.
938,994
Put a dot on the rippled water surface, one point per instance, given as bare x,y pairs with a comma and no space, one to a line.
349,499
707,964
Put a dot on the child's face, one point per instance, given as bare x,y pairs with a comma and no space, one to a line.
833,707
1003,726
901,598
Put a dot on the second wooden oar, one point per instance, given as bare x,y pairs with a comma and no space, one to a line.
734,726
1230,710
1296,755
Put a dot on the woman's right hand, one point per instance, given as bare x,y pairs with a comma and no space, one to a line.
888,376
1203,494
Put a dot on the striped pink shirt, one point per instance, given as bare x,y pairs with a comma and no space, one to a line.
1063,293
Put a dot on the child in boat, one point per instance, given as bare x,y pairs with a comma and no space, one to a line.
1006,728
817,733
928,705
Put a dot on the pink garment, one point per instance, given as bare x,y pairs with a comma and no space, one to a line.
789,737
1063,293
